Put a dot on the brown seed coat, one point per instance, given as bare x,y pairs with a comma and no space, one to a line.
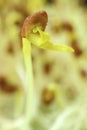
36,18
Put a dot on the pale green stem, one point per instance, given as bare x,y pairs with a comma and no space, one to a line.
29,105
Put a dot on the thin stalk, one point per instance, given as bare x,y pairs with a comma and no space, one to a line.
29,106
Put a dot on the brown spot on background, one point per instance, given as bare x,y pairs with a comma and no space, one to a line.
47,68
48,96
67,26
76,47
10,49
6,87
83,73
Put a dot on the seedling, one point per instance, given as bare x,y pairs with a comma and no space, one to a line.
33,32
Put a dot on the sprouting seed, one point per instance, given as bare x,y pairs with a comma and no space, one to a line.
33,32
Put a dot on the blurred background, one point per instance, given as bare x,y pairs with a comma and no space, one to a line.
60,78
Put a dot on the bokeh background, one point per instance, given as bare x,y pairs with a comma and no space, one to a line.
60,78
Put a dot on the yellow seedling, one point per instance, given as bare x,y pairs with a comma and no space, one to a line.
33,32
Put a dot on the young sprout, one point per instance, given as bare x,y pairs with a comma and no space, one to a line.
33,32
